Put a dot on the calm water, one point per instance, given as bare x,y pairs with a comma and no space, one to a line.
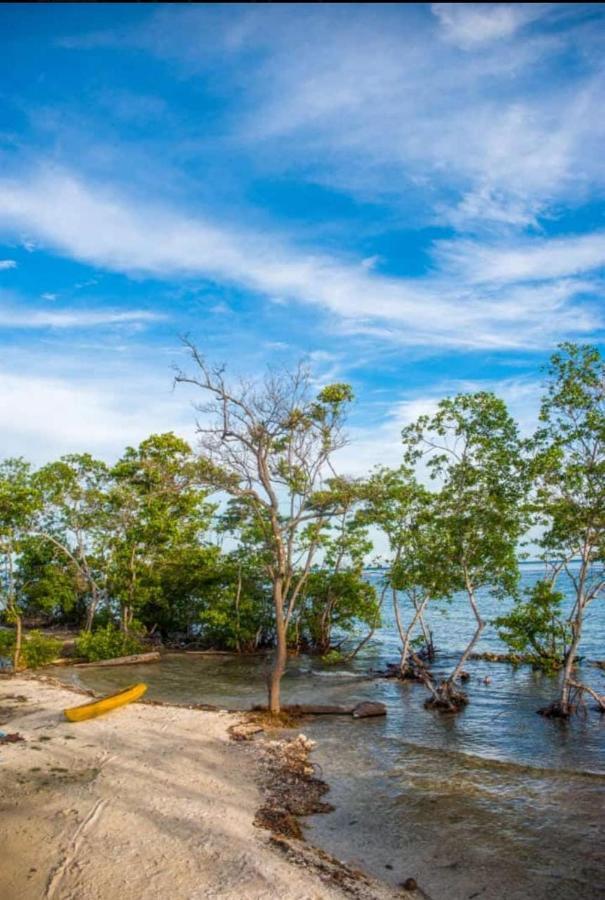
496,802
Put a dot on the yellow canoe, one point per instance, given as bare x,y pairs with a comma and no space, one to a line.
105,704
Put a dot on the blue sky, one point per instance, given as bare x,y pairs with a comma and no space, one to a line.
410,197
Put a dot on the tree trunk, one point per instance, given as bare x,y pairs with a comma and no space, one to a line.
18,641
576,627
405,651
281,650
447,697
12,608
474,639
92,608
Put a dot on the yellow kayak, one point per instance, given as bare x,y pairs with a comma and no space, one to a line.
105,704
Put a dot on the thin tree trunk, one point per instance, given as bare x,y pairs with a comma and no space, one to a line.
408,634
238,594
281,650
18,641
92,608
12,607
576,627
365,640
480,626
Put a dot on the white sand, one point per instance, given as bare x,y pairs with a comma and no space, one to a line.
145,802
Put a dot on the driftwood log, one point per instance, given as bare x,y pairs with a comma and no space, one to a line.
360,711
152,656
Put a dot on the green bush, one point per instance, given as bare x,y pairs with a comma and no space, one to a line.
107,643
7,643
39,650
332,657
536,628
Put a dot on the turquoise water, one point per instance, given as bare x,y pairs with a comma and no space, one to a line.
496,802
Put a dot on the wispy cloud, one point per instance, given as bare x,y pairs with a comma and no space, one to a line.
20,315
473,24
7,264
530,259
106,228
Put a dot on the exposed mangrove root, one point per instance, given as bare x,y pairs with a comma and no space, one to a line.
446,698
575,704
410,673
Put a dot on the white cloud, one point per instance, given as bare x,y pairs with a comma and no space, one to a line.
42,417
104,228
472,24
379,100
7,264
29,318
530,259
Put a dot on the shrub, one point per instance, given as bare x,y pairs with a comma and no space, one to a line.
536,628
7,643
39,650
107,643
332,657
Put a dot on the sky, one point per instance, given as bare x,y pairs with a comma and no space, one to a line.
410,198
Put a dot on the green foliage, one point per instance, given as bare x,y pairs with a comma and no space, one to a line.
474,454
7,642
107,643
568,468
335,601
535,628
39,650
332,657
568,462
47,582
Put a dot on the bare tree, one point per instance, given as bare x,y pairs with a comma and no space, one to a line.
270,444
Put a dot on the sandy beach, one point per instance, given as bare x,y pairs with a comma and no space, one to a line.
148,801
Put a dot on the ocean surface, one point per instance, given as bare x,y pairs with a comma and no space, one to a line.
496,802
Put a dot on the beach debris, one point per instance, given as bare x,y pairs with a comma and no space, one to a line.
409,884
244,731
290,786
369,709
12,738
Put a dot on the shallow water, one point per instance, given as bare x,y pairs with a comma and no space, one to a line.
496,802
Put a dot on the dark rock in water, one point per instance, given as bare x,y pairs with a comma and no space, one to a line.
409,884
368,708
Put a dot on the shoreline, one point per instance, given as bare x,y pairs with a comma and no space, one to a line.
153,800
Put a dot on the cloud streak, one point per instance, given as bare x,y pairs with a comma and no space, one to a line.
106,228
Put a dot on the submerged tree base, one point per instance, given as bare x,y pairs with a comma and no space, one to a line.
555,710
449,701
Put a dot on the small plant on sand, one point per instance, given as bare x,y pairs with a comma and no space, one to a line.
107,643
